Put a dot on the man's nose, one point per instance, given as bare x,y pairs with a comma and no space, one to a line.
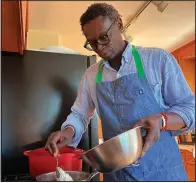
100,47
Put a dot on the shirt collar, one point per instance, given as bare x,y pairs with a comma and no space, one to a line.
126,56
127,52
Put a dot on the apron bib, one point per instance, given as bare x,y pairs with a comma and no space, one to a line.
121,103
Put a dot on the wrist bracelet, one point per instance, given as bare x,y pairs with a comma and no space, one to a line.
164,121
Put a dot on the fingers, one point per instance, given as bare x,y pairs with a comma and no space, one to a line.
148,141
152,136
54,148
157,135
63,142
152,126
138,123
51,144
56,153
56,141
47,146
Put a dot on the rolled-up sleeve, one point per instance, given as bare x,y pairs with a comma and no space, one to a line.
82,111
177,93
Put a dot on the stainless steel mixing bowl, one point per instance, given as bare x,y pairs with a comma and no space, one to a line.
116,153
76,176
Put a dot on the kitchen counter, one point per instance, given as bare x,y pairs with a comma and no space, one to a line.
186,147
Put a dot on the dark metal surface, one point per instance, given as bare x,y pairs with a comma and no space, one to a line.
18,178
38,91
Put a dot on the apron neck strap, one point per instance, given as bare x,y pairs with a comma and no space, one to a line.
138,63
99,73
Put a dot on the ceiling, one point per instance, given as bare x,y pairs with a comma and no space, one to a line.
168,30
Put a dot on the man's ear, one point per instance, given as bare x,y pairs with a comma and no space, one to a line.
120,24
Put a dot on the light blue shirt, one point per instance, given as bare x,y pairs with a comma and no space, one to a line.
165,78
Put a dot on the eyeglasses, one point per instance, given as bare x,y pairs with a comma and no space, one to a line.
102,40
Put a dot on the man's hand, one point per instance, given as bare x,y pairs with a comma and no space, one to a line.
59,139
153,125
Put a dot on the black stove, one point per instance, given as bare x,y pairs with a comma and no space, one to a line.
18,178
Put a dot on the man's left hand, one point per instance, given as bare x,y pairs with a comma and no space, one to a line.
153,125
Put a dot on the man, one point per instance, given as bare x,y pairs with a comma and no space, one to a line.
131,86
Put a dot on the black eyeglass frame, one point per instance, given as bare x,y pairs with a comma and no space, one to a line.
97,41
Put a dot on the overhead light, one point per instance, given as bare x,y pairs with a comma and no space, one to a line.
161,5
131,19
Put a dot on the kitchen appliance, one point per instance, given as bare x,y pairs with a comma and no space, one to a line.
117,152
40,160
75,175
38,91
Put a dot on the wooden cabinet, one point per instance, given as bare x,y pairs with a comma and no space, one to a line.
190,168
185,52
189,164
14,25
188,69
100,133
186,59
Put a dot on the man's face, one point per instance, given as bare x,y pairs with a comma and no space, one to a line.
96,29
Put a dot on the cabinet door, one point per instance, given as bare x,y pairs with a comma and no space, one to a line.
10,26
183,154
191,171
24,6
14,25
188,68
186,51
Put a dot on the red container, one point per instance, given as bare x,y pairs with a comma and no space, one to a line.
40,161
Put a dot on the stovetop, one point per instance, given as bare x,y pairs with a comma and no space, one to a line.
18,178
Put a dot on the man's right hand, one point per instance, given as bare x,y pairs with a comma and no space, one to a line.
59,139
